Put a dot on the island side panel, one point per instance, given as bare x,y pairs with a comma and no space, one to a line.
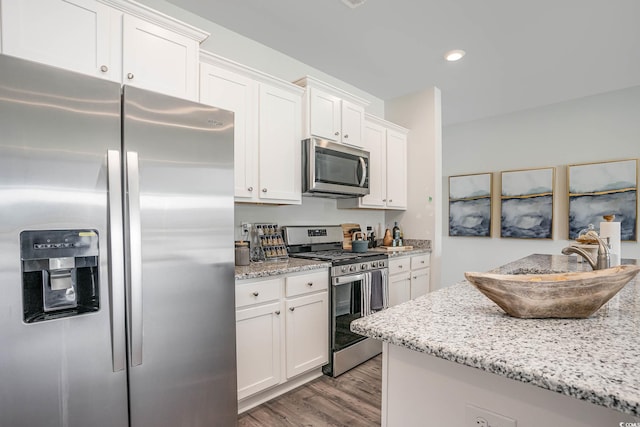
423,390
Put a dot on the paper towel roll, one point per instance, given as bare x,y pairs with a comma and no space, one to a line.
612,231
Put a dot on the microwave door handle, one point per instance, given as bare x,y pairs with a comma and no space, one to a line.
364,171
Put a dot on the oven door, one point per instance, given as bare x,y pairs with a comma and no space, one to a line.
346,306
334,170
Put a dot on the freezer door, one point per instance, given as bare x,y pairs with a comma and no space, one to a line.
179,186
56,129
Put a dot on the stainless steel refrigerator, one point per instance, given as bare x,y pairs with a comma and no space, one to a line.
116,255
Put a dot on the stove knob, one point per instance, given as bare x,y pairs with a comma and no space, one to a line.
352,268
363,267
381,264
374,264
344,268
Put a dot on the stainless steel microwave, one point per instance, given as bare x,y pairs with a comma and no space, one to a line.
334,170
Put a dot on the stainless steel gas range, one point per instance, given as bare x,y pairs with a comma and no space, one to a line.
359,286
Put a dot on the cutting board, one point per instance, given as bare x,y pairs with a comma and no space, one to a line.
396,248
346,232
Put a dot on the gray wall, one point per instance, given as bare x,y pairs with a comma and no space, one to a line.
591,129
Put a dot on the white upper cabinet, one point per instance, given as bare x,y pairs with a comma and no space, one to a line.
396,170
234,92
280,149
158,59
267,129
375,142
117,40
387,146
71,34
332,113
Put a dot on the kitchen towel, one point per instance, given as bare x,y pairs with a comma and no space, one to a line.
377,291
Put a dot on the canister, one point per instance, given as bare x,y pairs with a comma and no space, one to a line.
242,253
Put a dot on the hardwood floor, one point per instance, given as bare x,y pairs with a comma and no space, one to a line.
353,399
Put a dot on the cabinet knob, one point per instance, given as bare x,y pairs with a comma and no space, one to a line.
264,190
390,200
277,312
255,294
250,189
346,135
415,277
130,76
337,133
310,284
292,309
104,68
400,266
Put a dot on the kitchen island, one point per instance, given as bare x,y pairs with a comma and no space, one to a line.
453,355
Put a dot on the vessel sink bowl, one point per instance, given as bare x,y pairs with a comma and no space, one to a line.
553,295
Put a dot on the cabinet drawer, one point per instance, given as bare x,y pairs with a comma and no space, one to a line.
420,261
306,283
257,292
399,265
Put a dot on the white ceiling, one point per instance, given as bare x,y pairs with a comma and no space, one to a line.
520,54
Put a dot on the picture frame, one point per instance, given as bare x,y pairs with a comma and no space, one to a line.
470,203
526,203
604,188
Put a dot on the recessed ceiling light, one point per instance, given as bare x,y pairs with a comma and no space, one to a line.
454,55
353,3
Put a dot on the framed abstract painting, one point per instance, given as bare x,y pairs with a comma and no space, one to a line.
470,205
526,209
607,188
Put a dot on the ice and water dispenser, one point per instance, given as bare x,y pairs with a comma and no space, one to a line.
59,273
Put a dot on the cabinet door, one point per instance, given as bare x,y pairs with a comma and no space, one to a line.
307,327
352,123
230,91
399,288
279,133
158,59
324,115
375,142
258,348
71,34
419,282
396,170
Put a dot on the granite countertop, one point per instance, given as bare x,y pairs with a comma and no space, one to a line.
419,247
269,268
594,359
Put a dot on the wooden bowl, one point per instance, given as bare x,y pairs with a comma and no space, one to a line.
558,295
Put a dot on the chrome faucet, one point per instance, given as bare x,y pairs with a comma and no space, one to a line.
604,259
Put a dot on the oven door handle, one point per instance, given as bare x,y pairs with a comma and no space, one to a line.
343,280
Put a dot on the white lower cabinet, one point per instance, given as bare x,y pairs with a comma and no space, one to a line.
307,333
408,277
281,331
420,275
258,344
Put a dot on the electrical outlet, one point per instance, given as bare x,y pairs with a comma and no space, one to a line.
245,226
479,417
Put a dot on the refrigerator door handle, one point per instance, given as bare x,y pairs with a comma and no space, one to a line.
135,258
116,261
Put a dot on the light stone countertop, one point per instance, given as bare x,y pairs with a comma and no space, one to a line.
270,268
419,247
595,359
